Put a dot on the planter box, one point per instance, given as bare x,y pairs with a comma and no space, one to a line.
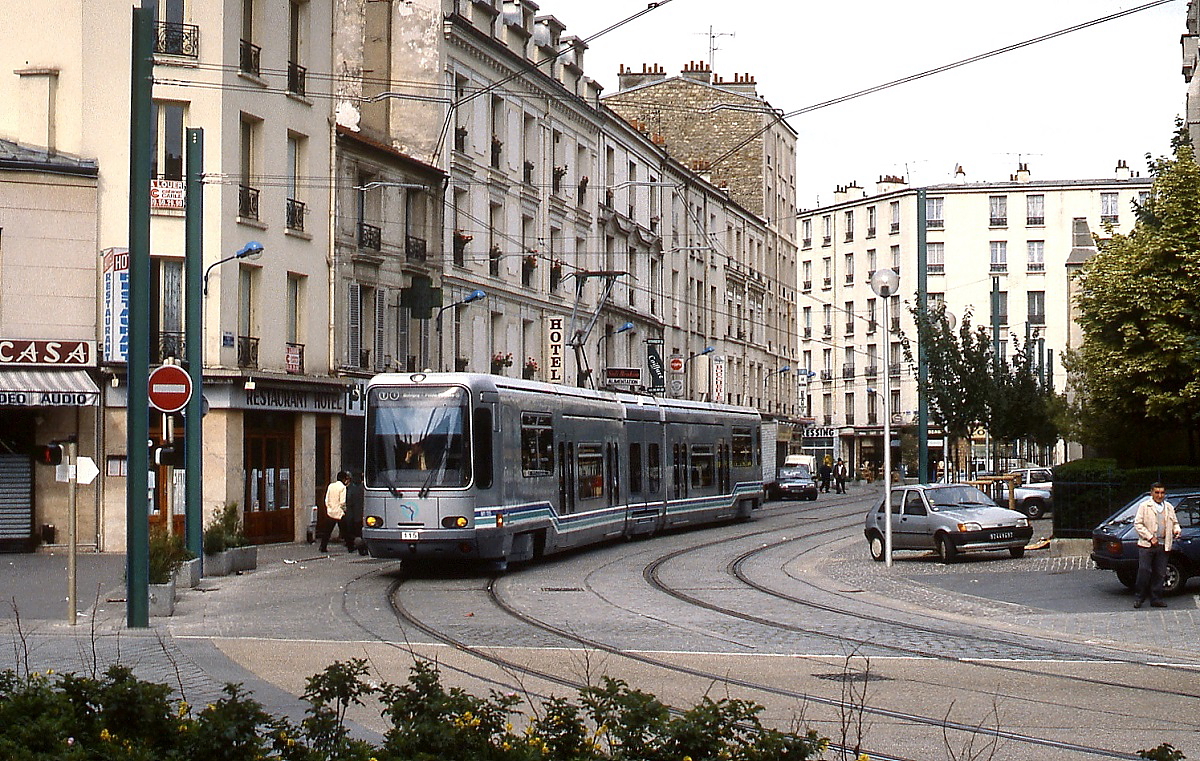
243,558
187,576
217,564
162,599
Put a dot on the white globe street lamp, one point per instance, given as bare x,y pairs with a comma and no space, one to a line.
885,282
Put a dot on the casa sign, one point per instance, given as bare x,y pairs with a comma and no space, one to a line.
32,353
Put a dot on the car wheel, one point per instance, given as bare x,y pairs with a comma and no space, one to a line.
1035,508
946,550
1128,578
1174,578
1016,552
877,547
813,498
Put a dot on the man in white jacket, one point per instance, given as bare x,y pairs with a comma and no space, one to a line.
1156,527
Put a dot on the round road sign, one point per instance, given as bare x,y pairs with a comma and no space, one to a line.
170,388
676,364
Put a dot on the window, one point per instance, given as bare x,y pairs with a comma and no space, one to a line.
849,318
247,192
848,219
806,234
296,74
1037,307
1037,253
935,258
870,315
1035,210
1108,208
537,444
635,467
933,214
849,409
827,313
295,171
849,269
999,256
998,211
826,229
896,259
703,465
894,208
166,162
872,262
1000,308
806,278
653,468
807,324
872,214
589,470
743,448
827,269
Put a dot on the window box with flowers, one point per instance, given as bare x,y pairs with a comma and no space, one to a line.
501,361
461,364
460,241
559,173
531,369
529,263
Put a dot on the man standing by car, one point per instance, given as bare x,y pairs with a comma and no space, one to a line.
1157,527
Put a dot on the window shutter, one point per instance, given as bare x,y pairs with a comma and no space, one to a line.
354,325
380,327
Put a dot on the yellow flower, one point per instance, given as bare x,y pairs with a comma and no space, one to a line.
863,757
105,735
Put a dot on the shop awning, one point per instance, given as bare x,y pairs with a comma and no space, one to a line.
47,387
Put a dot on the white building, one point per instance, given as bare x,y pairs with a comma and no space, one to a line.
1014,236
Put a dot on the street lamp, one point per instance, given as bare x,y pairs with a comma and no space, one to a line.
885,282
766,379
693,355
252,251
628,326
474,295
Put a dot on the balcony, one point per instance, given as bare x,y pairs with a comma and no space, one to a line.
415,249
895,324
369,237
827,420
936,269
806,243
872,371
935,224
998,268
850,328
827,282
295,215
849,418
998,221
297,76
871,231
249,55
849,278
247,202
849,236
1035,221
1002,318
293,358
827,375
1109,219
807,285
808,332
894,369
171,38
247,351
895,228
1035,267
872,326
170,344
848,371
826,240
1037,318
872,418
827,331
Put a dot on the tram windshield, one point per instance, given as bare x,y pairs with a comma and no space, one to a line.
417,438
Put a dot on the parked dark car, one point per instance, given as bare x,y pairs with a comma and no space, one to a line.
1114,542
793,482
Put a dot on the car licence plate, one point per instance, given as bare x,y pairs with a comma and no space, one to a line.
1002,535
408,536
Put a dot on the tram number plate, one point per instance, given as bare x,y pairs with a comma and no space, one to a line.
408,536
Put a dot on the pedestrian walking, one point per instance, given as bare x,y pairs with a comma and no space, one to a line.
354,514
839,476
335,509
1156,527
826,473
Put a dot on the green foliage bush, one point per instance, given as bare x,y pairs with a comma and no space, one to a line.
1088,491
225,530
166,553
44,717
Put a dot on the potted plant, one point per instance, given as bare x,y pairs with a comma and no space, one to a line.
165,556
226,549
461,364
531,368
501,361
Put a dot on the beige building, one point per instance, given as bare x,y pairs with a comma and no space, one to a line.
1020,237
239,71
1190,43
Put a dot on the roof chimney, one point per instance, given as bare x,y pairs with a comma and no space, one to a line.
1122,170
38,104
960,174
1022,174
698,71
889,182
741,83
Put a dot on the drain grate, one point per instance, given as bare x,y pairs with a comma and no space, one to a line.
562,589
852,676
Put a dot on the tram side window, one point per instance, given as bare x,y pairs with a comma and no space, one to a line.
653,468
590,471
743,448
635,468
704,465
537,445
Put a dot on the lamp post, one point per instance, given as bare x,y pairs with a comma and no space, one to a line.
475,295
781,371
885,282
252,251
693,355
627,327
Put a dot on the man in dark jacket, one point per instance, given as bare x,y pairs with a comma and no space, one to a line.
826,474
354,514
839,476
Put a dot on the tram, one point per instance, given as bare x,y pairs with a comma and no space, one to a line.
470,467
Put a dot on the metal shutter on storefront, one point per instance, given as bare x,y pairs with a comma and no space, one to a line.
16,498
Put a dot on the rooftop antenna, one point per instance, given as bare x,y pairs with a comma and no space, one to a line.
712,44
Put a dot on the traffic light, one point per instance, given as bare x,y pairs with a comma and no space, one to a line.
168,454
48,454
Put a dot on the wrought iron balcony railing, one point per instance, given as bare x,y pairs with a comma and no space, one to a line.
170,344
297,76
247,202
416,249
249,56
247,349
369,236
295,214
171,38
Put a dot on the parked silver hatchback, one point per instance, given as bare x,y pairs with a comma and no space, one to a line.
948,518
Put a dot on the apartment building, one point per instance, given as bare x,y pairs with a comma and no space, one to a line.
1019,239
239,71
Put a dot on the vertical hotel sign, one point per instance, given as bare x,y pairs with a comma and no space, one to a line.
718,379
556,348
115,285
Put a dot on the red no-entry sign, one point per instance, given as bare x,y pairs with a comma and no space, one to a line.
170,388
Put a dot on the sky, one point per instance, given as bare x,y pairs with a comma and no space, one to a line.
1070,107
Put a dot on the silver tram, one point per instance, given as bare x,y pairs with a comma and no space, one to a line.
467,467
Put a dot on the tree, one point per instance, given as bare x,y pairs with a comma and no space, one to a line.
1139,308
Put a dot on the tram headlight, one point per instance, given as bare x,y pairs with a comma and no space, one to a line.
454,521
374,521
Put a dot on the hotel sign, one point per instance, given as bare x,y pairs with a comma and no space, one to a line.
556,349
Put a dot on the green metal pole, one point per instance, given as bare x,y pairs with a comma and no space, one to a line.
137,485
995,360
922,361
193,432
